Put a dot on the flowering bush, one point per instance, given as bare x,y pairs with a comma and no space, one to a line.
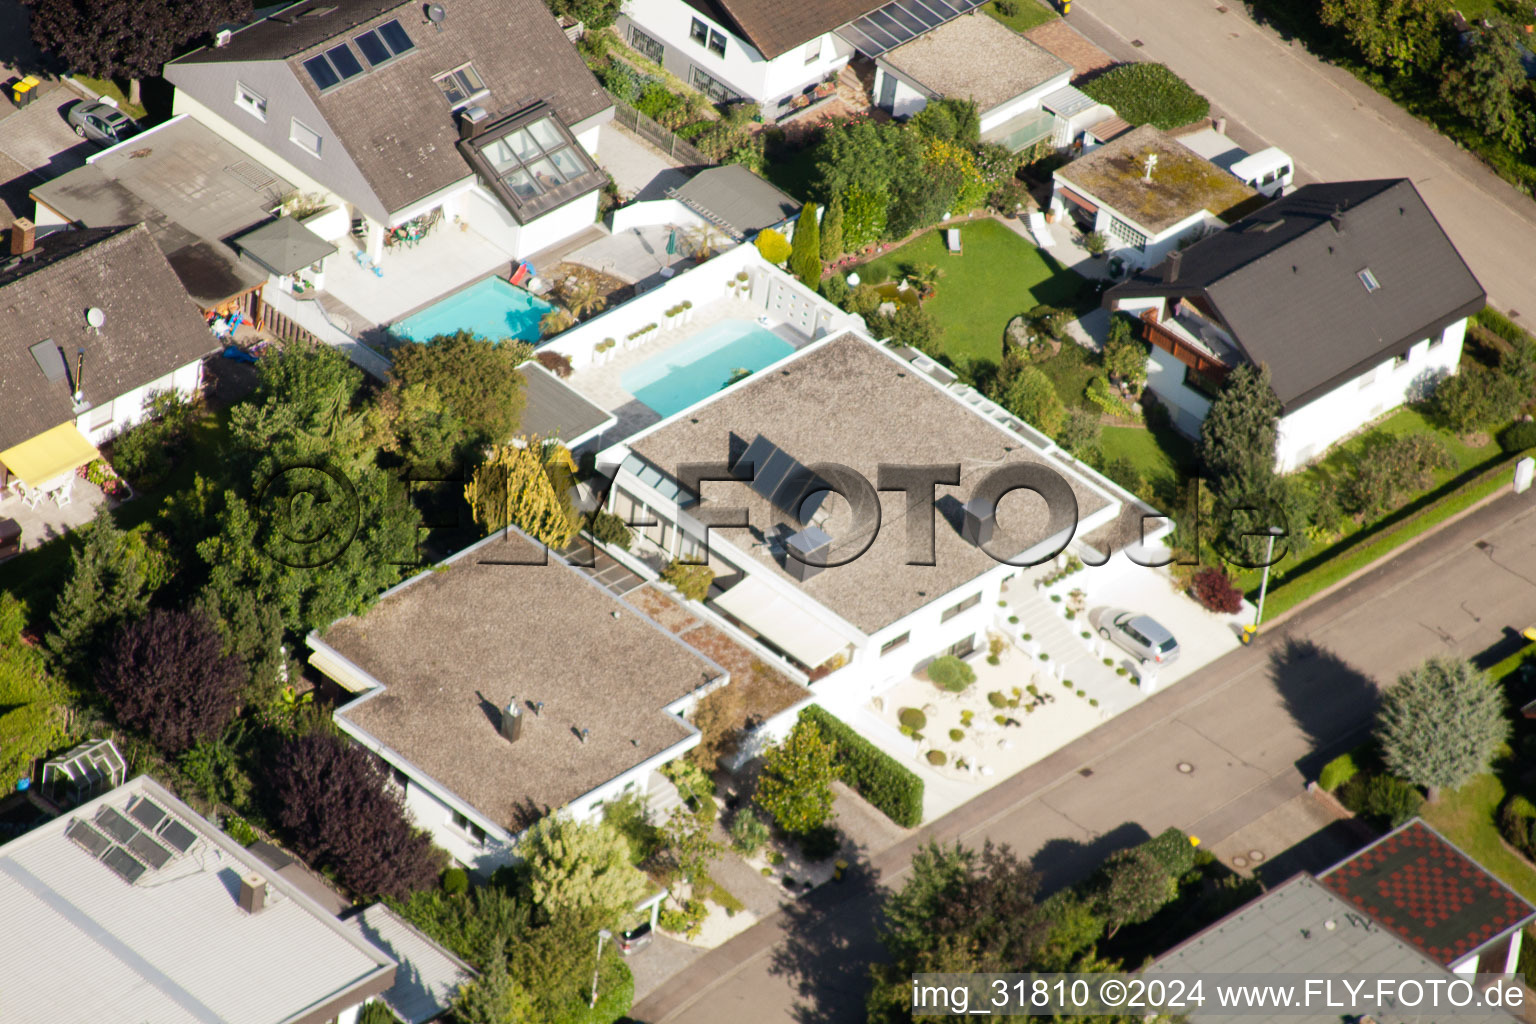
101,473
1213,588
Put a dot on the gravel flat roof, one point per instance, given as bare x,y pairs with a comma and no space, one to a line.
975,57
455,645
847,401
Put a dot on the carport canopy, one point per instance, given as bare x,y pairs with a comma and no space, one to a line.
44,458
795,630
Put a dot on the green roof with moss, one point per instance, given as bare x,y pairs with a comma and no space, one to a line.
1183,182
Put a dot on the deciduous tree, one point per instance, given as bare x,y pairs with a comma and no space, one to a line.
1029,394
582,867
796,785
1441,724
526,485
1396,34
168,677
1132,886
477,379
1483,81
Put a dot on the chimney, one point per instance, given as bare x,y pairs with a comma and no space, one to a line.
1171,267
221,38
980,522
806,552
253,893
23,236
1337,217
470,119
512,721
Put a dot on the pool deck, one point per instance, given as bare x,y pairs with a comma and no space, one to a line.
603,384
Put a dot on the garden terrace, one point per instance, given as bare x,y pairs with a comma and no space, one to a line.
1183,182
850,401
448,648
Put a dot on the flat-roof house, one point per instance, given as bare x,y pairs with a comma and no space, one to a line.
502,685
132,908
977,58
772,52
1410,903
888,602
192,188
1147,193
93,323
1349,292
486,114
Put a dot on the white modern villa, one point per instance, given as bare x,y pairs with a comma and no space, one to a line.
1349,292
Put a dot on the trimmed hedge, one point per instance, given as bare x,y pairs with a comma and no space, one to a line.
874,774
1149,94
1173,850
1337,772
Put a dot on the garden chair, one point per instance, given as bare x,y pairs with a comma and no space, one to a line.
952,240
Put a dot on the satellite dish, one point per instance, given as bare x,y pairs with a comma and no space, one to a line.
436,14
95,318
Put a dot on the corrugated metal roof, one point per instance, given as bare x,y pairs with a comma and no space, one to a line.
429,977
173,948
1068,101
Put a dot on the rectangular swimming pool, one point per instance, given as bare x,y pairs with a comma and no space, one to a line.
490,309
690,372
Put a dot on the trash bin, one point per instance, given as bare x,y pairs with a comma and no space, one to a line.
839,870
25,90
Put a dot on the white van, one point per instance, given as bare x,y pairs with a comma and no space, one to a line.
1269,171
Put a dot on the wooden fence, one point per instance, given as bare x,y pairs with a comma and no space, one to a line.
666,140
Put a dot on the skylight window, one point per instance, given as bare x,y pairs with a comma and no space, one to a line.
1368,279
384,43
460,86
534,159
334,66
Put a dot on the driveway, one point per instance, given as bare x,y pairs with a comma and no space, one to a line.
1252,726
1336,128
36,144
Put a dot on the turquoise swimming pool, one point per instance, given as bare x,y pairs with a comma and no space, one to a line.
702,365
491,309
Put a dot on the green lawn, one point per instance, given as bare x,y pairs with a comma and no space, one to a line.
1466,816
1070,370
107,87
1162,457
998,276
1411,421
1027,14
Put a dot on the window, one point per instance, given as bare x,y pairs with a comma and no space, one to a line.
699,32
891,645
334,66
474,832
533,159
384,43
813,51
1127,234
962,648
460,85
966,605
716,43
1368,279
1437,341
251,101
1399,360
713,88
652,48
303,136
101,416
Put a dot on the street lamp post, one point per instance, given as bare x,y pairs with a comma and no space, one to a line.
603,935
1269,556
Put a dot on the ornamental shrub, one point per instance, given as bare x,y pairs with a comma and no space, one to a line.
912,718
1172,849
1384,797
773,246
1339,771
1149,94
937,757
1516,820
748,832
950,673
692,581
455,882
957,734
1517,437
1213,588
610,529
888,785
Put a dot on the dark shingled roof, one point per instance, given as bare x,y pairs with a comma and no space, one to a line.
736,199
452,647
1286,283
1428,893
778,26
394,120
151,328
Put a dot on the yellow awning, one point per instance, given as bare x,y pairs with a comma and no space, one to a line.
49,455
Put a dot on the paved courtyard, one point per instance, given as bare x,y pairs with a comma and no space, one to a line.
640,170
36,144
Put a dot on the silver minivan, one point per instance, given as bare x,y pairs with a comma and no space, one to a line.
1141,635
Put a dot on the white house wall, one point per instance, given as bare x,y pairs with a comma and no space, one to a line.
743,68
1165,378
1308,431
109,419
1023,102
905,99
657,211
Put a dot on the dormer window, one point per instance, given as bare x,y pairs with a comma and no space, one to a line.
461,85
384,43
1368,279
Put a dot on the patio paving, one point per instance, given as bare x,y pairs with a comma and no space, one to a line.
414,277
48,520
634,256
640,170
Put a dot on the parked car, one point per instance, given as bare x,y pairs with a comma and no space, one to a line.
102,123
636,938
1141,635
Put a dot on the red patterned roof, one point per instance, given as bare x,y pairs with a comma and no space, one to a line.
1428,893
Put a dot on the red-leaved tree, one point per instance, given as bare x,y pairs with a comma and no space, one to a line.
167,676
329,796
1213,588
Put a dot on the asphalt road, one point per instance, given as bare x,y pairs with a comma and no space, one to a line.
1254,725
1333,126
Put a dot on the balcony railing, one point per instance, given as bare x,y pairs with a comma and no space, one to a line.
1174,342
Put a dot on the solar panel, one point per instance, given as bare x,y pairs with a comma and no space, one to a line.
147,813
771,474
753,458
124,864
796,483
115,825
82,833
149,851
178,835
901,21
